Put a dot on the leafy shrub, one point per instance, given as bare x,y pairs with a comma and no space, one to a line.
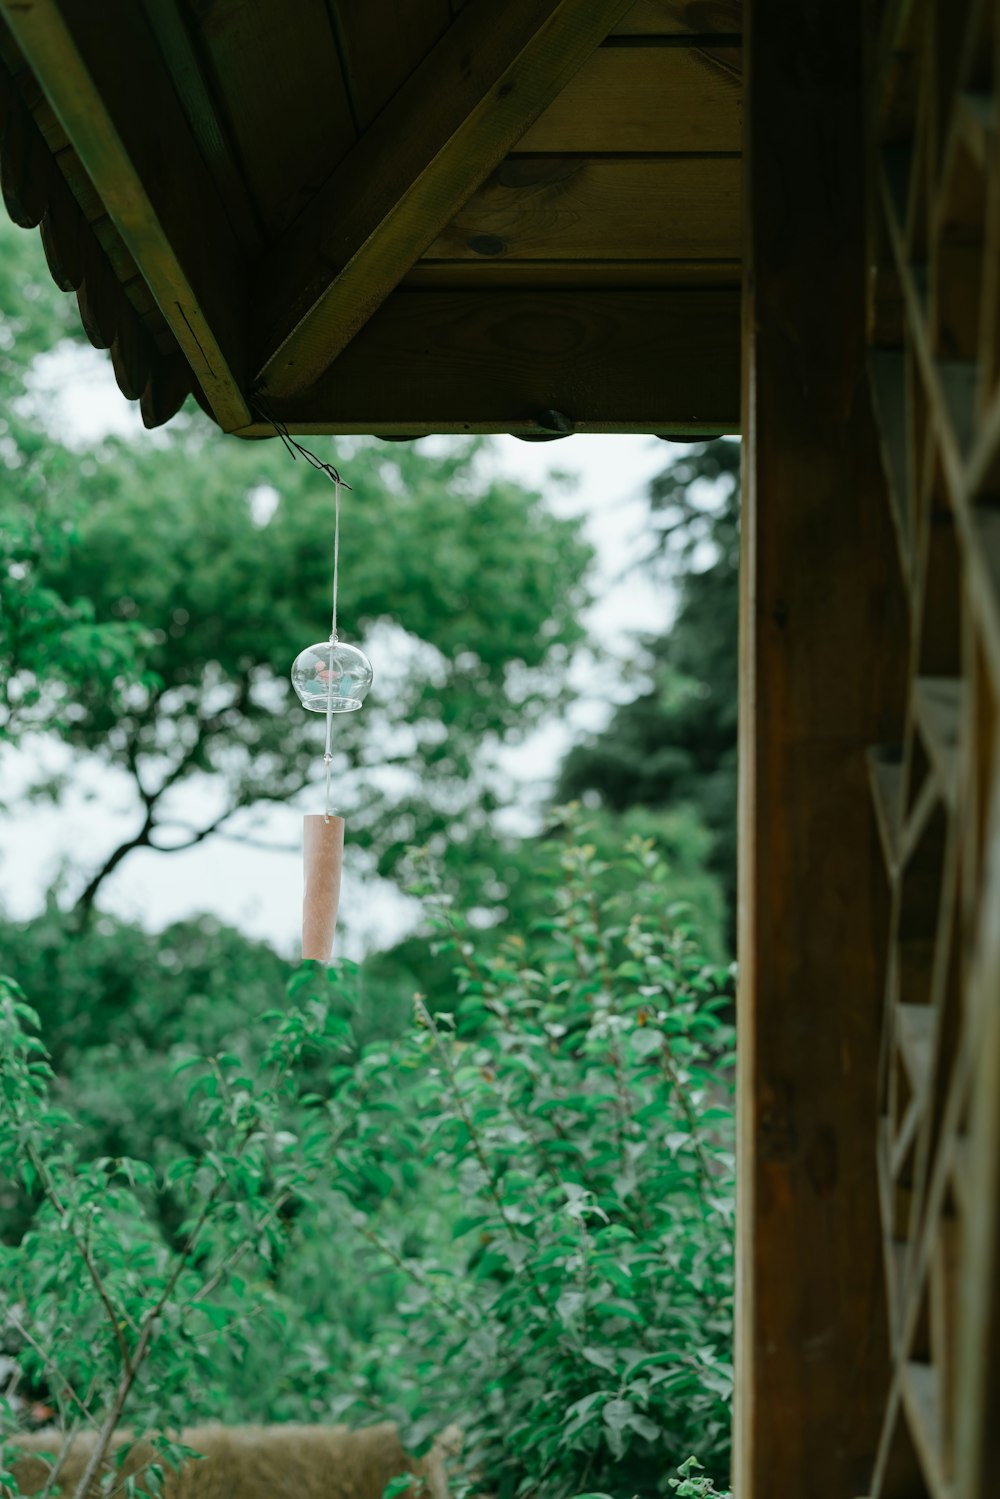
102,1314
574,1107
515,1216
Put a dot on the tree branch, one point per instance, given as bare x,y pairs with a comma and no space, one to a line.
80,1240
85,904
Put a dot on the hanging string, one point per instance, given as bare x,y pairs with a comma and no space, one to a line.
336,552
293,446
297,450
328,755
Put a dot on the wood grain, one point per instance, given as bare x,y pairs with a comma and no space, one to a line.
276,71
647,99
381,43
938,224
565,208
163,204
565,275
175,35
655,361
823,667
490,76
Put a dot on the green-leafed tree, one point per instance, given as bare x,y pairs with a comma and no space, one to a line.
677,742
52,646
212,559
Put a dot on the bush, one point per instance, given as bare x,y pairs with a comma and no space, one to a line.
516,1215
573,1105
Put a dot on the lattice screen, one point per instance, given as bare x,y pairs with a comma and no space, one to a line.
934,325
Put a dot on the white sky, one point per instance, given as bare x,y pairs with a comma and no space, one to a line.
260,891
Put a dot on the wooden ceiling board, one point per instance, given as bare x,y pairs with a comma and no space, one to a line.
672,208
493,72
632,361
381,43
646,99
605,250
277,73
176,38
677,17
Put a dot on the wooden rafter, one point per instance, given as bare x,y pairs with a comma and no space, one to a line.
118,117
486,81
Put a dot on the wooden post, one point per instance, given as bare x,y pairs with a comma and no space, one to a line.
824,643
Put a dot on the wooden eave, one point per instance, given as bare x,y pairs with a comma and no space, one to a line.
392,217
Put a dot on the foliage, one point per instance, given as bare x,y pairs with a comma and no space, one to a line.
512,1209
34,318
677,742
53,649
514,1212
105,1315
216,555
693,1485
576,1099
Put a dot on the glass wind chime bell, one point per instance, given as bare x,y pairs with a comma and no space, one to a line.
329,677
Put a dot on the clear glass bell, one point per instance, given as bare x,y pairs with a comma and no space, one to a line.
331,675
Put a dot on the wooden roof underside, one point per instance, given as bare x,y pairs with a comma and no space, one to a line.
395,216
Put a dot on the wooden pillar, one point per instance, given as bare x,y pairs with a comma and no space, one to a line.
823,642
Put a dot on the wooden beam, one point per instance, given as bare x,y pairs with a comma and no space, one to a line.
102,73
823,665
504,361
448,127
673,17
572,275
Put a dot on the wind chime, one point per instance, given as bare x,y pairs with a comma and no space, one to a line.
329,677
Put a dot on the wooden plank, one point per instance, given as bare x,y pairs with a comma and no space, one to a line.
905,1142
957,383
674,17
937,704
983,552
277,71
380,43
960,1172
887,374
656,361
490,76
823,660
944,1273
915,1029
194,90
977,1374
922,1399
539,207
976,121
897,1473
166,211
978,528
647,99
564,275
885,772
895,1249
